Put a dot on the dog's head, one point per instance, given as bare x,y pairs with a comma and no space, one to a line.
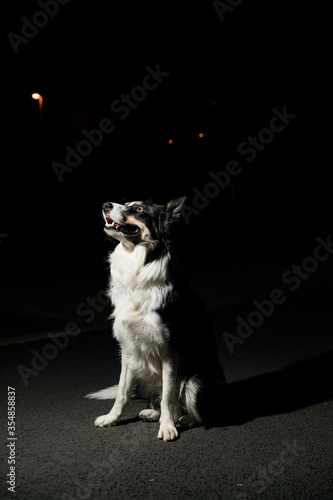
141,221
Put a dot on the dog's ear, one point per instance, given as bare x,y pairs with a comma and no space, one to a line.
174,207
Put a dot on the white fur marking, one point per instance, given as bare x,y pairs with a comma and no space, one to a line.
137,291
152,415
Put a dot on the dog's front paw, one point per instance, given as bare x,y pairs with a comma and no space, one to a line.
105,421
167,432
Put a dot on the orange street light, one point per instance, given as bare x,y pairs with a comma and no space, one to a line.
39,98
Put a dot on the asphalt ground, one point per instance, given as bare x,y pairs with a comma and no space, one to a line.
275,436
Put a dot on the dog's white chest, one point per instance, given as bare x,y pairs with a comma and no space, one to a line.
137,292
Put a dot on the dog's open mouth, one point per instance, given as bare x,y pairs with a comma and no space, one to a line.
129,229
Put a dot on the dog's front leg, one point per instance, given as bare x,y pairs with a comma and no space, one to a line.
167,430
125,387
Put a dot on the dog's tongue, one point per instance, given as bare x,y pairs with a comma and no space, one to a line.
111,223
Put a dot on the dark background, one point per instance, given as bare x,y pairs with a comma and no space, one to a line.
224,80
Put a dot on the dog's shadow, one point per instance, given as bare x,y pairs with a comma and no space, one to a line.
302,384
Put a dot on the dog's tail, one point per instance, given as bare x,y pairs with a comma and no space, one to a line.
201,396
109,393
188,395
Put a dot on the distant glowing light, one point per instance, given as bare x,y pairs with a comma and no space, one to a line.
201,135
170,141
39,98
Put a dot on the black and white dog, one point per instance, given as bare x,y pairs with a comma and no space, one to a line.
168,349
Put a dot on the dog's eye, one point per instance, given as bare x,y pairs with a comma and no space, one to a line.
139,209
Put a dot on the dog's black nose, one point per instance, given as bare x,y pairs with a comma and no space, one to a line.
107,205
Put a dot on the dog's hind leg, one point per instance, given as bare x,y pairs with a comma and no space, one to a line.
188,421
150,415
153,412
125,387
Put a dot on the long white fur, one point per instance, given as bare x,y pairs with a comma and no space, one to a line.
137,291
